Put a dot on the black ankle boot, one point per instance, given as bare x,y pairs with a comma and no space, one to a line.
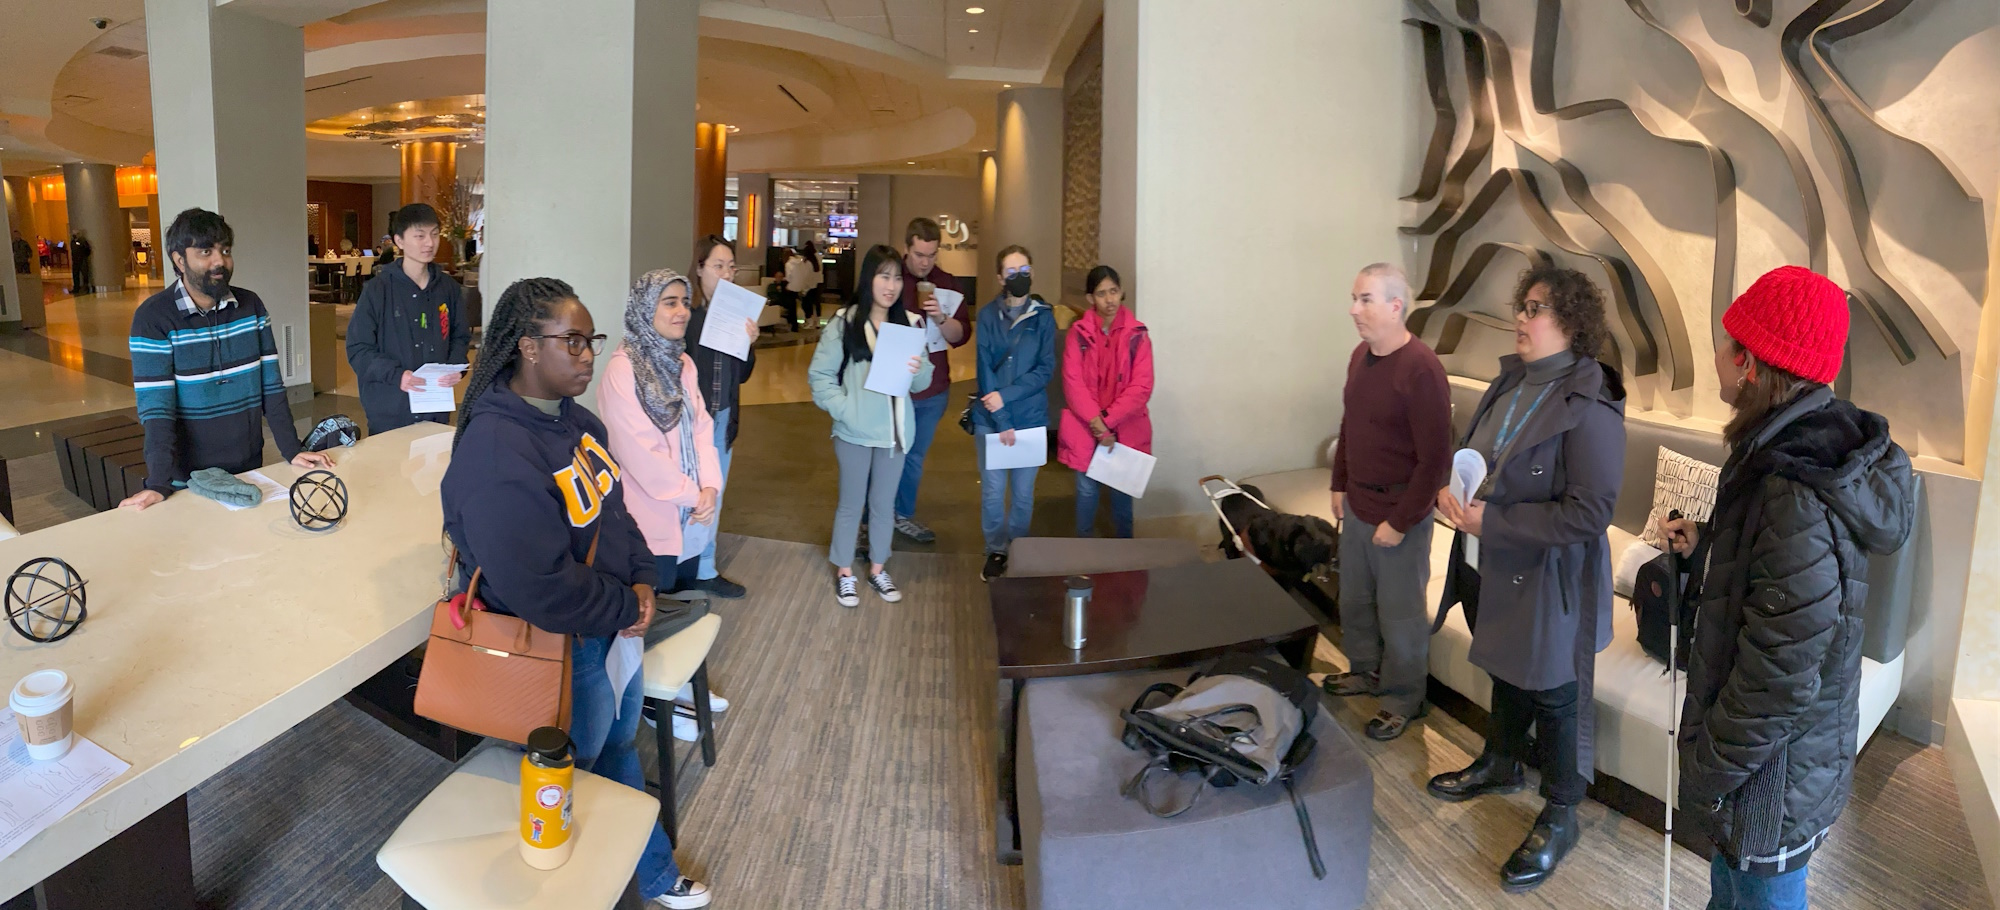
1489,773
1555,832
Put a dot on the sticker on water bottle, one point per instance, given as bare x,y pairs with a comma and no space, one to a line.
535,831
549,796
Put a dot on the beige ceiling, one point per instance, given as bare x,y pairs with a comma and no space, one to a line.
1013,34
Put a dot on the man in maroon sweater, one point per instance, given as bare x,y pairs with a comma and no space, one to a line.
921,241
1393,455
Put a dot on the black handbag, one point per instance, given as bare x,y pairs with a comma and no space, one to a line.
965,416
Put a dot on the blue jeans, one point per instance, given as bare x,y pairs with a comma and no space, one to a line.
928,412
722,454
1732,890
1001,517
1086,508
609,748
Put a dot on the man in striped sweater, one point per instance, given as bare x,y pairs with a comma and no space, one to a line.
205,368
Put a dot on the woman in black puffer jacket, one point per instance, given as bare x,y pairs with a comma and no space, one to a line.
1811,486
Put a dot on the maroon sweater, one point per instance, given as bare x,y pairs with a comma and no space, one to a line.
1395,435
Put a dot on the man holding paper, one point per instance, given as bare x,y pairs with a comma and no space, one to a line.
1107,381
1017,358
1392,457
408,338
949,323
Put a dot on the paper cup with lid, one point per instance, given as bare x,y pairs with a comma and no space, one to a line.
44,704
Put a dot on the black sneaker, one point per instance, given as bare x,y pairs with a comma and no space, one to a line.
885,586
686,894
996,566
914,530
722,587
845,592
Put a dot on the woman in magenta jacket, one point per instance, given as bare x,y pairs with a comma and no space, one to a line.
1107,372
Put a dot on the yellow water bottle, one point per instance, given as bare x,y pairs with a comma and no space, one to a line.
548,827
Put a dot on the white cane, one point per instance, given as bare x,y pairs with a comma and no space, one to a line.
1673,716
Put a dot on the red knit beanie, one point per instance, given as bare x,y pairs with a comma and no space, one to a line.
1793,319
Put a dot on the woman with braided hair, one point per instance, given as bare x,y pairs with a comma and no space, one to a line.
532,500
664,438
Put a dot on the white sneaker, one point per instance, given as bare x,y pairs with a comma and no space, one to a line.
685,696
845,591
687,731
686,894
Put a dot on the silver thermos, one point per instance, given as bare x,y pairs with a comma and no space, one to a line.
1075,602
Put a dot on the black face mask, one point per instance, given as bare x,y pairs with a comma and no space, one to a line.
1019,285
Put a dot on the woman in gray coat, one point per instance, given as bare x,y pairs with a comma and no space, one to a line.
1552,431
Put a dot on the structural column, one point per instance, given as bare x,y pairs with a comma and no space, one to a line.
14,274
228,104
1027,188
711,178
1216,192
589,171
430,171
92,193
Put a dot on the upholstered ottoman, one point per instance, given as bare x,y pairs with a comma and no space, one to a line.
1088,848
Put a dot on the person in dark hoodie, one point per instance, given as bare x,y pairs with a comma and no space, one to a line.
408,316
533,499
1537,593
1811,486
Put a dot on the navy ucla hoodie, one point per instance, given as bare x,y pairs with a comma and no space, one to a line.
523,497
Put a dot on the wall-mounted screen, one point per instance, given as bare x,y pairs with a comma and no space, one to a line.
841,225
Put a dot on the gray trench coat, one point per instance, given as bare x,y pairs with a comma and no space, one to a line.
1544,607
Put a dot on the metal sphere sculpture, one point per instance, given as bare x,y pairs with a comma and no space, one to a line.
45,600
319,501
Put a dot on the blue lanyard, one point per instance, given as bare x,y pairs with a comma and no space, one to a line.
1508,428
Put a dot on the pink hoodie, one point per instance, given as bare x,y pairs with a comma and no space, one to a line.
655,490
1109,375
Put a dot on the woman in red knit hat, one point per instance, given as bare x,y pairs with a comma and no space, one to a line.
1812,485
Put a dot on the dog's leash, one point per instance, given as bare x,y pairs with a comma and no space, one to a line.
1215,498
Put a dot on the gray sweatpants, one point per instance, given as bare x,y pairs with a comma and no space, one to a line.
1383,625
865,474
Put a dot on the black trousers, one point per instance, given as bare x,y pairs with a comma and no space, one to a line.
1552,712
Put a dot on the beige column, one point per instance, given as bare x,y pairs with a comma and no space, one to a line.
1027,188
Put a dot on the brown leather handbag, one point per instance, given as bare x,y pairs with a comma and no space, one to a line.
492,674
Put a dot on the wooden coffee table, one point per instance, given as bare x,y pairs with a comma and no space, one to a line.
1137,621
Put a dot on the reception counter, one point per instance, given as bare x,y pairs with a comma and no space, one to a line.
211,632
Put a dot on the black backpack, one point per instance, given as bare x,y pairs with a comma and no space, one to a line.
1203,744
1657,597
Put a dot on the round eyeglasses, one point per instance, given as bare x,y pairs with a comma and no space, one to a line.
576,342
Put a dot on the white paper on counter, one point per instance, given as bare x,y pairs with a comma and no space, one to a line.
622,663
272,490
1468,471
889,372
1121,468
431,397
37,794
1030,450
723,329
948,301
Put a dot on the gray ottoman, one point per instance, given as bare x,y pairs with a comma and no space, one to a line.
1088,848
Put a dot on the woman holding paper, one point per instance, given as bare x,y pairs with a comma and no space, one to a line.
1016,338
871,430
663,437
1551,430
1107,380
721,374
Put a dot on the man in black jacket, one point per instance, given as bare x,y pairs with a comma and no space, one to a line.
1812,485
408,316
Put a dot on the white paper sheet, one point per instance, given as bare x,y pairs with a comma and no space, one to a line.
37,794
949,301
723,329
432,398
1121,468
272,490
622,663
1030,450
889,372
1468,471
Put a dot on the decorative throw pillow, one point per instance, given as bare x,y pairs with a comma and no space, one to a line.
1679,483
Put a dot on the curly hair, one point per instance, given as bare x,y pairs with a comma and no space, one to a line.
1578,306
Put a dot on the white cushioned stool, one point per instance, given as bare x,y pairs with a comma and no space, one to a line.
457,850
671,664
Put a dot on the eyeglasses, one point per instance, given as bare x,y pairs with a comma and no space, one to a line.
1023,270
576,342
1531,308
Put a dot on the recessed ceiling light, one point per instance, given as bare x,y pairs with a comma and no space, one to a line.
1006,85
909,162
975,10
972,31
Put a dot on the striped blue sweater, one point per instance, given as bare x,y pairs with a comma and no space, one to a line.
204,382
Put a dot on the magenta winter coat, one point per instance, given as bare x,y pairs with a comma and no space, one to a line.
1108,375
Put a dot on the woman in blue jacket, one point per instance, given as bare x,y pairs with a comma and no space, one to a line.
531,492
1017,357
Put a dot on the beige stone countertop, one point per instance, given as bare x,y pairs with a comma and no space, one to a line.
210,632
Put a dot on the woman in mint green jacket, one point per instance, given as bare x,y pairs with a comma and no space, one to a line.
871,431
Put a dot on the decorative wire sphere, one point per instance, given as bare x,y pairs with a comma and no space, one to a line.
45,599
319,501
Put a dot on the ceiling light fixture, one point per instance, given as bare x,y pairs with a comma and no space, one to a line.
909,162
1006,85
972,31
975,10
